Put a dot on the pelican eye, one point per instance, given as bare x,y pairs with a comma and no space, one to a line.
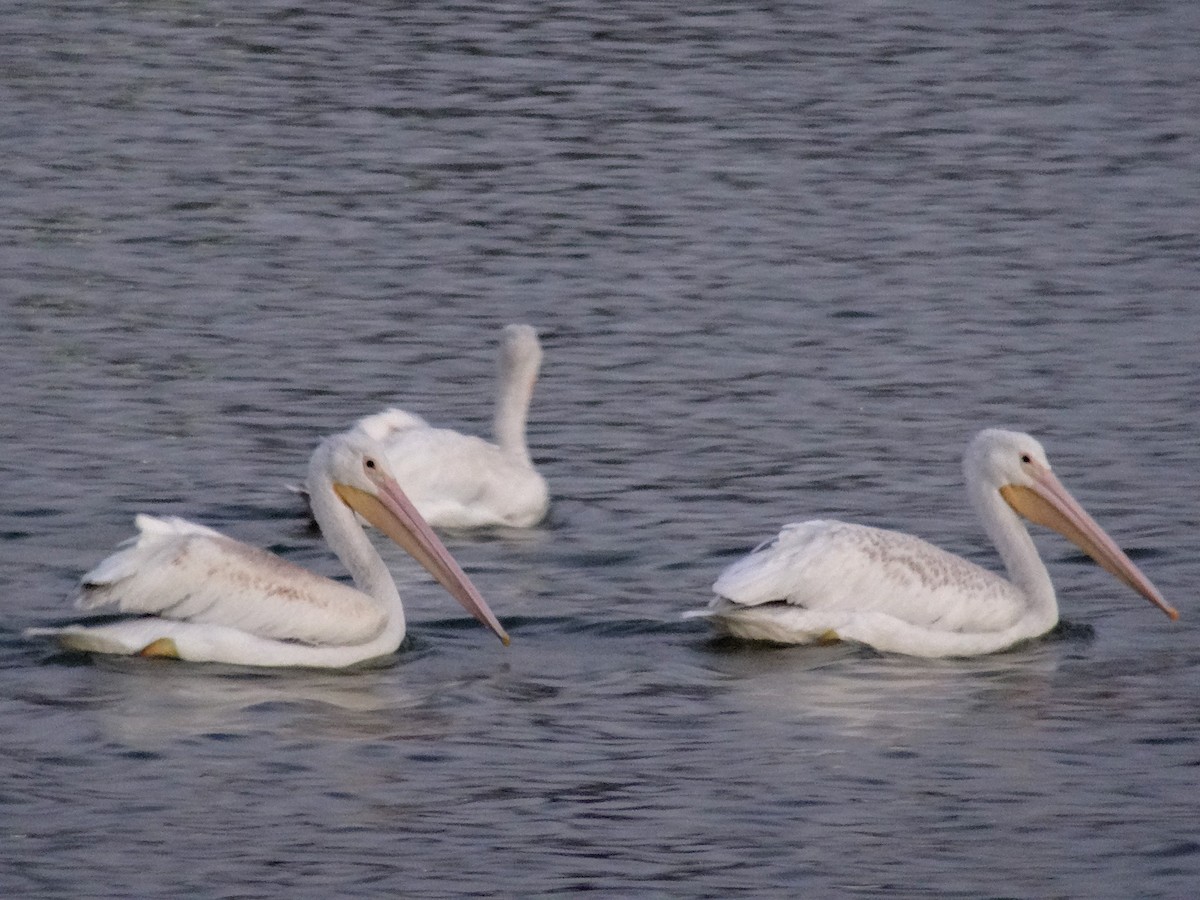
1026,458
369,463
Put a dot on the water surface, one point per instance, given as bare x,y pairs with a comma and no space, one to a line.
785,261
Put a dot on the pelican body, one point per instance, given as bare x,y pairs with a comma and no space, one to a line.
461,481
205,597
819,581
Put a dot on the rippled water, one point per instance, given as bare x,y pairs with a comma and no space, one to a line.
785,261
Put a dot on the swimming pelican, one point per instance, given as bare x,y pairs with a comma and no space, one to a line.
461,481
208,598
823,580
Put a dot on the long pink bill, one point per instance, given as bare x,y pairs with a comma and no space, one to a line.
393,514
1048,503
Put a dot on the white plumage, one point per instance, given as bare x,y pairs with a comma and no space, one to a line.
205,597
461,481
827,580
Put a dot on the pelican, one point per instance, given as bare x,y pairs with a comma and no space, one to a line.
821,581
461,481
205,597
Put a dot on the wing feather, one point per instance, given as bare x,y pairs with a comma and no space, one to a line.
826,565
382,426
180,570
459,480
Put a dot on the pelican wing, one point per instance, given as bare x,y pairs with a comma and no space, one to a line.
383,426
828,565
179,570
462,481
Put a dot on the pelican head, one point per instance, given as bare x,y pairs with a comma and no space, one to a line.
1015,465
354,466
520,346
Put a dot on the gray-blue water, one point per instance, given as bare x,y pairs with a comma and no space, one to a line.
785,259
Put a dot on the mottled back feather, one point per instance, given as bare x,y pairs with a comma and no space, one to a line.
827,565
179,570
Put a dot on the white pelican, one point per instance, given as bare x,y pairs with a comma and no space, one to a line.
822,580
208,598
461,481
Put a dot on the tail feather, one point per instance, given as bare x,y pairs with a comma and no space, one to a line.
156,539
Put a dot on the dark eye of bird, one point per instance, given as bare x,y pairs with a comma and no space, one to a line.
1025,458
370,464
